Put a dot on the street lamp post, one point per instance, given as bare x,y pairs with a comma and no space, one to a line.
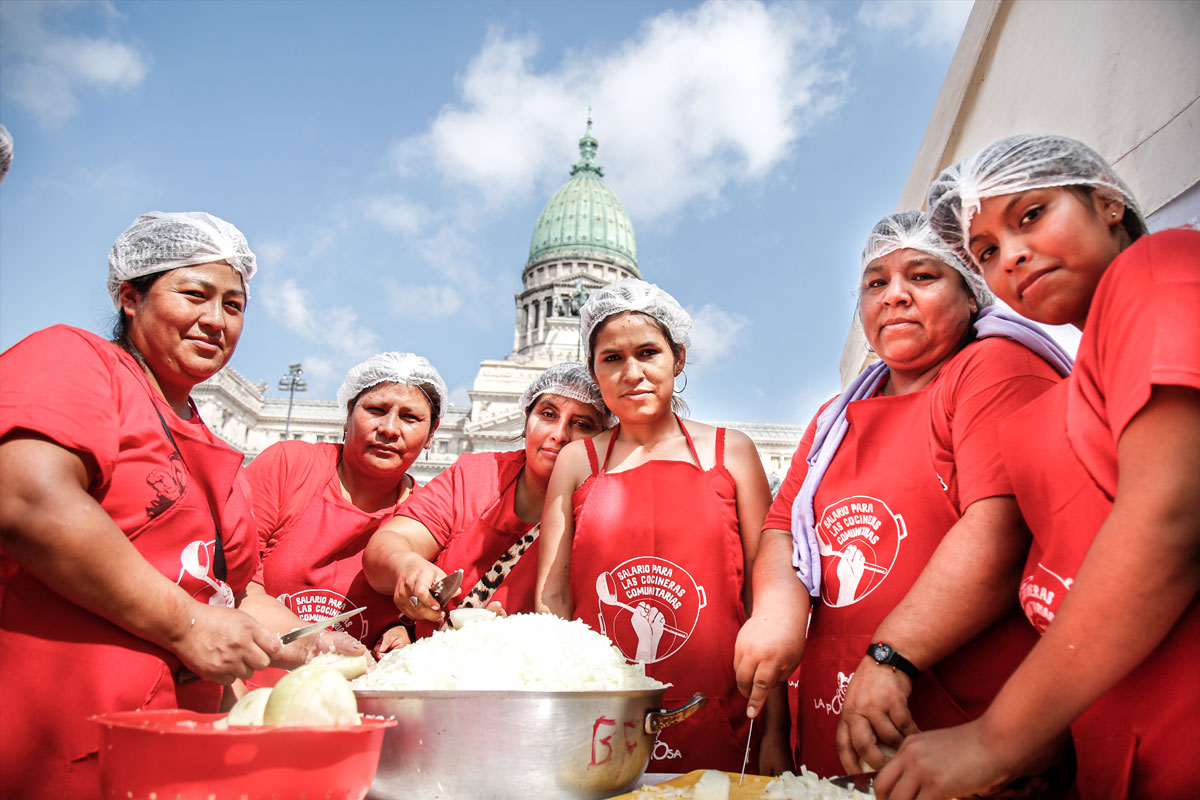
292,383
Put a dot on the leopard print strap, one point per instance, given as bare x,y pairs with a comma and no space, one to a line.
481,595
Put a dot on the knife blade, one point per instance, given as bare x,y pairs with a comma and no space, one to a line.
746,758
444,589
319,625
185,675
859,781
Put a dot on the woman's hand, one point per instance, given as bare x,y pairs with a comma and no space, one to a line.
306,648
874,712
764,655
946,763
415,578
771,643
222,644
393,638
398,561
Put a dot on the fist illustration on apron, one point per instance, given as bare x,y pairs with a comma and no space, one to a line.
858,539
649,607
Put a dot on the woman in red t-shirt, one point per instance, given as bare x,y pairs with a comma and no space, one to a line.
1106,468
899,471
481,515
317,504
649,527
126,536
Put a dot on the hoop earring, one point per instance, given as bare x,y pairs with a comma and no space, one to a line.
683,375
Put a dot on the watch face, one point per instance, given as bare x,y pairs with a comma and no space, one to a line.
881,652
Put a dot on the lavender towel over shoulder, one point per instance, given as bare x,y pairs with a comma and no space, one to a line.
832,427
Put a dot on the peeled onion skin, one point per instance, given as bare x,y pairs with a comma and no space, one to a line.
314,694
350,666
249,709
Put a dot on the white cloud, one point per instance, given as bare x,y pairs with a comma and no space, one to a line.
424,302
715,333
918,23
696,100
460,396
396,214
334,326
44,69
321,370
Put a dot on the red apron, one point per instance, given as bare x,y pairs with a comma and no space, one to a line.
315,569
61,664
882,509
475,549
1140,739
656,564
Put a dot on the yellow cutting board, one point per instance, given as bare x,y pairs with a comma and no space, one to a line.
751,789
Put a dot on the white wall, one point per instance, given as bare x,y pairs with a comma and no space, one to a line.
1122,76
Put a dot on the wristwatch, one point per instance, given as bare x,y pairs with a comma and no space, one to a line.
885,655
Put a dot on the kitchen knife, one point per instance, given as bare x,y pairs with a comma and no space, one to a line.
444,589
185,675
319,625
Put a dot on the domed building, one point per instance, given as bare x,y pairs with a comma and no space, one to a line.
583,239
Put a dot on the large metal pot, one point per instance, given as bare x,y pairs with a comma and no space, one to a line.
474,745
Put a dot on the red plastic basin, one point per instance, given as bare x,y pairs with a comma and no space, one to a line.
180,755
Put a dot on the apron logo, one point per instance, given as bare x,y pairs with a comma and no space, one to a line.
195,561
834,706
313,605
1040,595
168,486
858,539
648,607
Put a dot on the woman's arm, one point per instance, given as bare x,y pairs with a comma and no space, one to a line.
398,561
1140,574
771,643
972,579
553,592
753,499
58,532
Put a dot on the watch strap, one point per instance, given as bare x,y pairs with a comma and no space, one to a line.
886,655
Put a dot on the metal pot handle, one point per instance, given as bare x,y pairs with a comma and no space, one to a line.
660,718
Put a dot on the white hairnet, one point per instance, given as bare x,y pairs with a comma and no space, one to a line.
909,230
161,241
630,294
6,151
1017,164
406,368
569,379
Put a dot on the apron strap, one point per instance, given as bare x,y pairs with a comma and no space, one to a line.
591,452
611,441
220,571
691,445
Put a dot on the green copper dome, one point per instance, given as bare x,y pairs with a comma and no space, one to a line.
585,215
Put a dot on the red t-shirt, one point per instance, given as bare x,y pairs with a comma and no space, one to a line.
966,402
907,468
1143,330
90,396
470,509
62,664
312,538
458,495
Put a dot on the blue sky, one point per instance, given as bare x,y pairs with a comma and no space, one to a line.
388,161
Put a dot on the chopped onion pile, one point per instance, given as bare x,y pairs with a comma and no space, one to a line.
809,786
521,652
